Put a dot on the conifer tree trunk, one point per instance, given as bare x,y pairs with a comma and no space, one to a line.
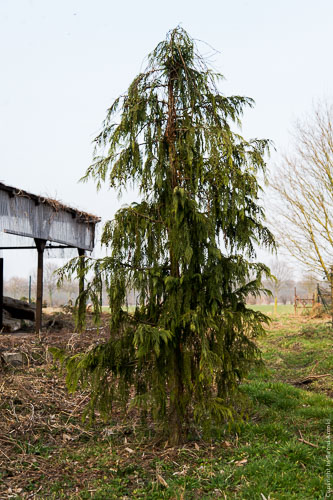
176,390
176,416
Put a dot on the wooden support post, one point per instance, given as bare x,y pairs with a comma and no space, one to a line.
295,303
82,302
1,293
332,293
40,244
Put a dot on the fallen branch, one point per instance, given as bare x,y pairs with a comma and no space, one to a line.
310,378
308,442
302,440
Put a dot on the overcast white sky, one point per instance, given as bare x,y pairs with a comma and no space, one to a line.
63,62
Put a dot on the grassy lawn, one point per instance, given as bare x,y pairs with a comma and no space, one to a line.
278,452
130,309
282,309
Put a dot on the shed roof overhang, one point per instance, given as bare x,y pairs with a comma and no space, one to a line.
44,219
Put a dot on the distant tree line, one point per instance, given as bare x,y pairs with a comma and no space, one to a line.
282,284
18,287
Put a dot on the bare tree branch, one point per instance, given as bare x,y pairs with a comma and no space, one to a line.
302,204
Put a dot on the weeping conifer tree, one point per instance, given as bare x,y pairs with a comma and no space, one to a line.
187,248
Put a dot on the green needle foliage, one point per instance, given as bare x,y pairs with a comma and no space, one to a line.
187,248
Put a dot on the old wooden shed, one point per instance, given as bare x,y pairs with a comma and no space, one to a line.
49,224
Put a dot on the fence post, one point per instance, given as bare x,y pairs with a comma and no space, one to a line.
29,289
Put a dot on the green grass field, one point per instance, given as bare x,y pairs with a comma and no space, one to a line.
278,452
130,309
269,308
